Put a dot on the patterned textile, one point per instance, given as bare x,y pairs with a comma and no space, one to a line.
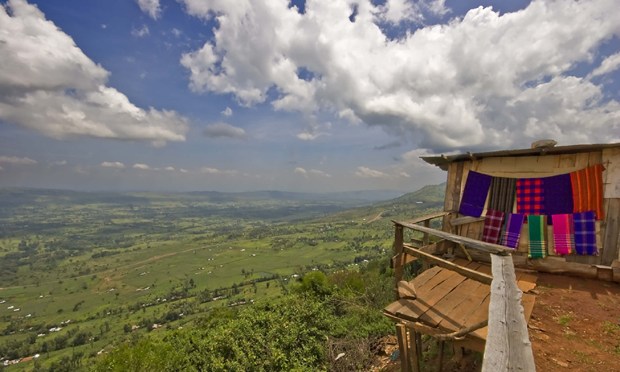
558,195
475,194
514,222
537,227
585,233
502,195
492,226
530,196
563,233
587,187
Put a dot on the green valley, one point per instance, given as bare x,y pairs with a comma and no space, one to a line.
82,274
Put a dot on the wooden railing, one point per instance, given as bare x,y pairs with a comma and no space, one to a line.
507,345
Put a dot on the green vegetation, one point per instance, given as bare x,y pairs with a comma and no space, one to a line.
85,275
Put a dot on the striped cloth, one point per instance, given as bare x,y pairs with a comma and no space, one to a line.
585,233
587,187
475,194
563,234
530,196
558,195
492,226
537,232
511,236
502,195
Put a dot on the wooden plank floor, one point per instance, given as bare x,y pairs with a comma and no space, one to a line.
449,301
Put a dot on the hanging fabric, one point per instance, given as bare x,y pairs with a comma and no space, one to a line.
563,234
530,196
475,194
585,233
492,226
587,187
558,195
514,223
537,227
502,195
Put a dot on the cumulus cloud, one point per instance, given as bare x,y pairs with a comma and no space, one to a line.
219,130
170,169
49,85
113,164
608,65
311,172
366,172
14,160
209,170
59,163
150,7
141,166
482,80
227,111
141,32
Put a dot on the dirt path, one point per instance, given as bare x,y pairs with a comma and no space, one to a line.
375,218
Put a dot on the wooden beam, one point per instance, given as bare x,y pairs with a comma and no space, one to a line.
468,273
468,242
428,217
465,220
398,251
508,347
406,290
401,335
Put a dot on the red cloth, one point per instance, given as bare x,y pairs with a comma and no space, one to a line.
530,196
493,222
587,185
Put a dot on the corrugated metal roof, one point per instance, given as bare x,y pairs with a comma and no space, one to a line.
442,161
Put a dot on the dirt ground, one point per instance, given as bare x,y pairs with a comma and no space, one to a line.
575,326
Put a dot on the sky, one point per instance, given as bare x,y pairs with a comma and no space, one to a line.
310,96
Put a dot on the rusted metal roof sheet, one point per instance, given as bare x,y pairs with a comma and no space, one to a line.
442,161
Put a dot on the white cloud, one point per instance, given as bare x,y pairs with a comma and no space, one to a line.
59,163
176,32
14,160
113,164
227,111
405,174
308,136
209,170
49,85
366,172
141,32
219,130
311,172
608,65
183,170
141,166
170,169
474,82
150,7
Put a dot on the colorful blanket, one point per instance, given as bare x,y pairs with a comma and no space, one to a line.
558,195
585,233
475,194
537,227
587,187
492,226
530,196
514,222
502,195
563,233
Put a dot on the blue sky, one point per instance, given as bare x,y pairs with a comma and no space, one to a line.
298,96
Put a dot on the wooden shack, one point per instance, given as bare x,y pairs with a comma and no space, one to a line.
485,307
541,162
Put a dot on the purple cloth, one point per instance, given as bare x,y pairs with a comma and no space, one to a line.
585,233
475,194
558,195
514,222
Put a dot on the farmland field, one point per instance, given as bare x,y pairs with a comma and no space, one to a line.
80,272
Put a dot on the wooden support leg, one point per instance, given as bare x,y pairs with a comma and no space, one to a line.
401,335
441,346
414,350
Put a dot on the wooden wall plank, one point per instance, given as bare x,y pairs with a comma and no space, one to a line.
611,241
611,176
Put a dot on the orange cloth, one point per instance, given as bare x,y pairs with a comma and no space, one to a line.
587,187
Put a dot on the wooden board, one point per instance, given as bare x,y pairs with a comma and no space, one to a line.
611,176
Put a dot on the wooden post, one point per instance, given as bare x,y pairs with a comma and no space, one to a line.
401,335
398,254
508,346
441,346
414,351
